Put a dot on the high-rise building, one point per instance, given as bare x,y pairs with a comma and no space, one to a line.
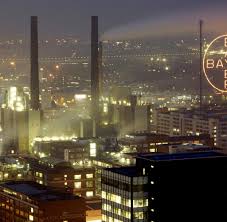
167,187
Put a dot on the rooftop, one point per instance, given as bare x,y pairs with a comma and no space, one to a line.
37,191
181,156
126,171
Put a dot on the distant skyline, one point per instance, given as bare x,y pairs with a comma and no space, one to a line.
72,17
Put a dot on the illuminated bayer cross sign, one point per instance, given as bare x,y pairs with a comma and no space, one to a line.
215,63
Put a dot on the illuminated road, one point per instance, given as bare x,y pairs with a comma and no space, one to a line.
85,59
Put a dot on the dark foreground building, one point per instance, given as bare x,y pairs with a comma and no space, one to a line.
29,201
174,187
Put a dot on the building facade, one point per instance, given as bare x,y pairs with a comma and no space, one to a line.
167,187
62,175
192,122
28,201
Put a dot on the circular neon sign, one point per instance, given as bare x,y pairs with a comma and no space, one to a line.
215,63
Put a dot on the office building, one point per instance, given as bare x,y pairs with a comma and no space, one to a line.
28,201
63,175
153,142
167,187
193,122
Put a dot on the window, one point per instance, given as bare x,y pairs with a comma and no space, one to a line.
89,175
103,194
65,183
19,175
77,185
138,215
31,218
89,183
89,194
77,177
6,175
93,149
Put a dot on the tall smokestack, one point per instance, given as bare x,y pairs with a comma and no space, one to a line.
100,70
95,79
34,87
201,64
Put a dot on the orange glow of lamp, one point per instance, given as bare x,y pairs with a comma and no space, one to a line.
215,63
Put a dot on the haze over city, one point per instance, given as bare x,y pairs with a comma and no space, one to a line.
113,111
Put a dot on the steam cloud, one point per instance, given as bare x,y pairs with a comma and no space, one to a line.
182,23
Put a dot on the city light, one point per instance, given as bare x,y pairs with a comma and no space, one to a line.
108,122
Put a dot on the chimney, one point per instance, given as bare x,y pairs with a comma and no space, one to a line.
34,87
95,79
100,70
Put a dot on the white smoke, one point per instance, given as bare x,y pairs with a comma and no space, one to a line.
175,24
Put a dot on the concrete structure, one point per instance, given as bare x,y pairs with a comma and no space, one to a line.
28,201
14,168
95,78
20,125
193,122
61,174
167,187
151,142
34,88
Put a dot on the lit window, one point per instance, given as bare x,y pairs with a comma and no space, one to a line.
6,175
89,175
77,185
93,149
31,218
118,199
89,194
65,183
144,171
77,177
103,217
103,194
65,175
152,182
32,210
138,215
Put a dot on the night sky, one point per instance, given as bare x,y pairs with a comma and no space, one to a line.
72,17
